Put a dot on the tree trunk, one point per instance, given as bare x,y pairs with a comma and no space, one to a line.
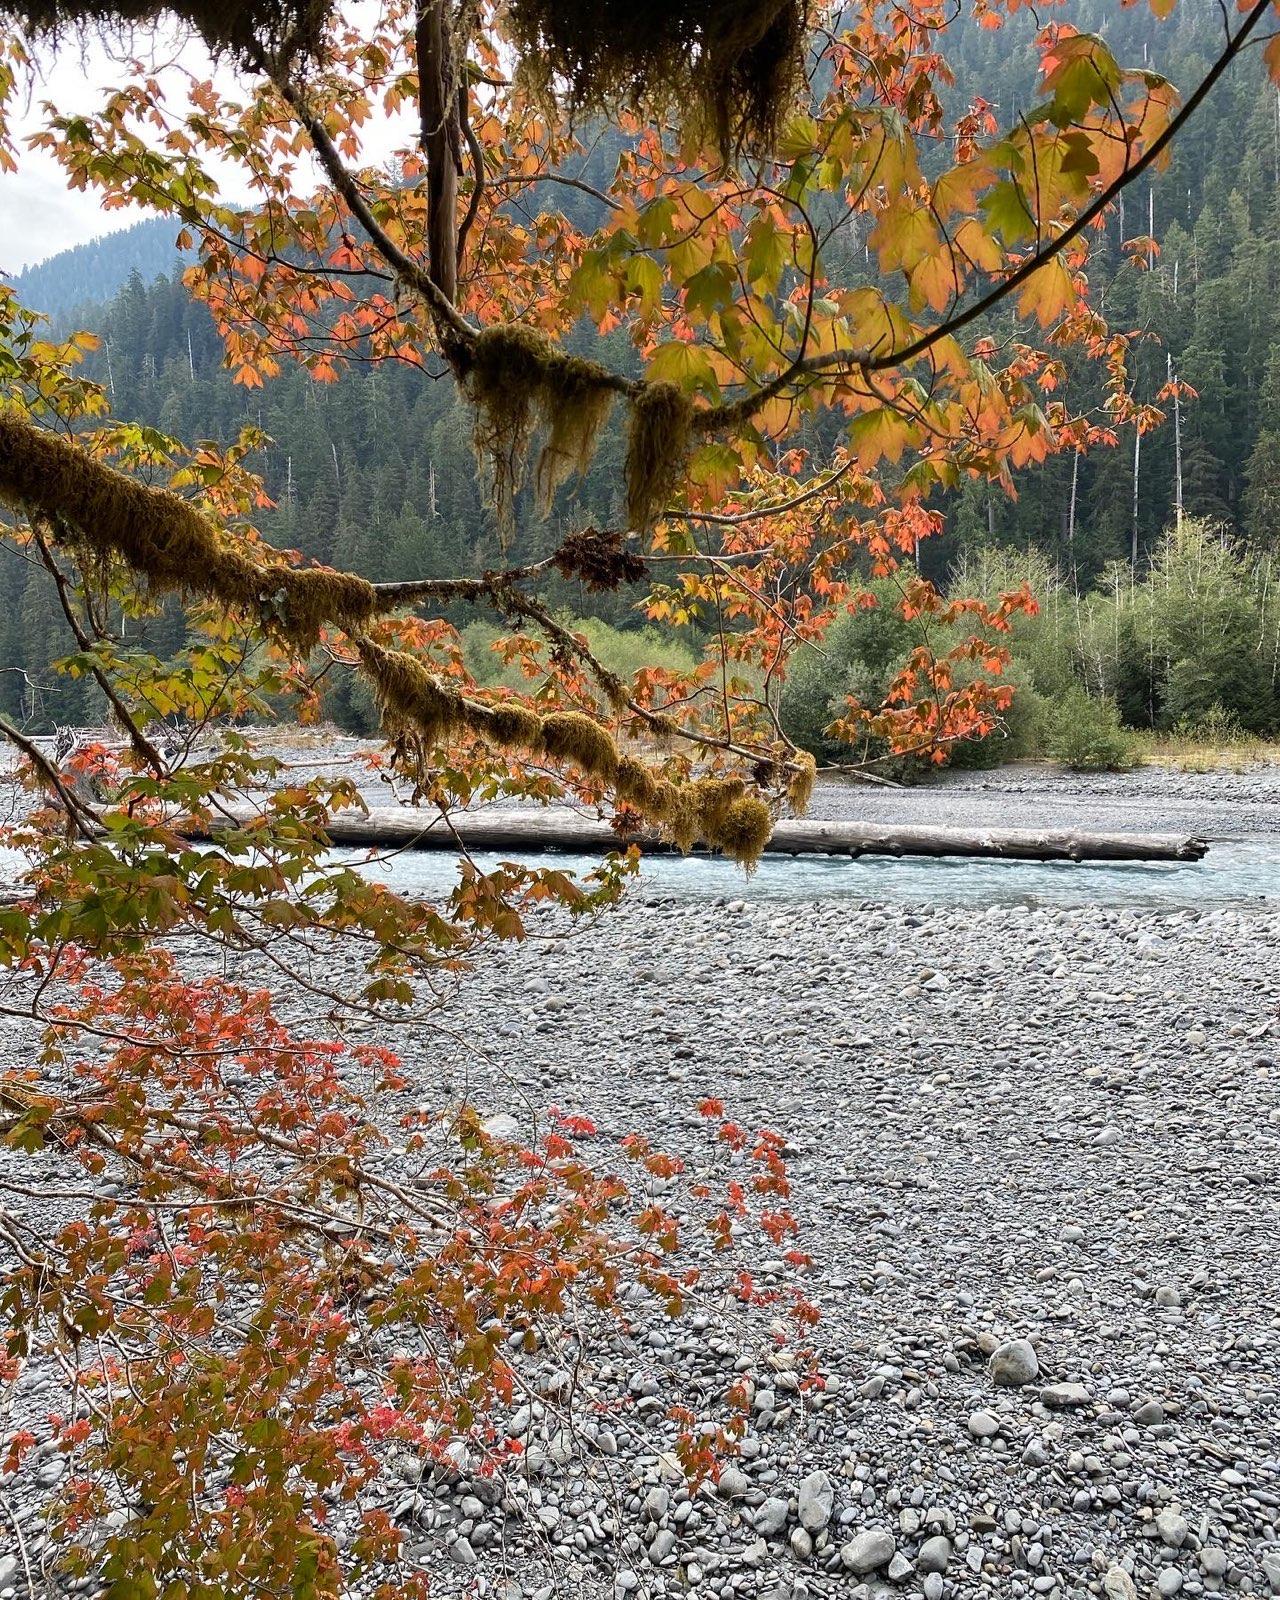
441,143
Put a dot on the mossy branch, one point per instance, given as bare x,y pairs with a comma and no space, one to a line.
521,383
174,548
420,711
168,542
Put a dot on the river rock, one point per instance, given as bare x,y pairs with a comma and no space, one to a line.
733,1484
1014,1363
817,1500
867,1551
1064,1396
664,1543
771,1518
1172,1528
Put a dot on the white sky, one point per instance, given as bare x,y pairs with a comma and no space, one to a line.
39,214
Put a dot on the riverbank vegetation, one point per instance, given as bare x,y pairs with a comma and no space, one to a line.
1179,663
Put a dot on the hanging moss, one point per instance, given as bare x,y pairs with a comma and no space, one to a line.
728,69
167,541
800,788
636,786
288,29
657,449
521,384
411,699
743,829
715,811
712,799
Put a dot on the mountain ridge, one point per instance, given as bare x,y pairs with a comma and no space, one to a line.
94,272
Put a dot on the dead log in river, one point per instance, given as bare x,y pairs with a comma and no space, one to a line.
520,832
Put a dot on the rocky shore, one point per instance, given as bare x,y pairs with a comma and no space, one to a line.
1036,1159
1057,1128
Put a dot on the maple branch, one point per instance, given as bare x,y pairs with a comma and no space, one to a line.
143,746
478,179
742,410
564,180
411,271
82,817
408,590
737,519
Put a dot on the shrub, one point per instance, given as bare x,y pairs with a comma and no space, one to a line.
1043,644
1086,734
1022,731
860,653
1217,725
1207,622
623,650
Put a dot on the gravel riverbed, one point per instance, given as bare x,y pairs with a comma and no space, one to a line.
1036,1159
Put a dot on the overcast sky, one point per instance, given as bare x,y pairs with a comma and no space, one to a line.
39,214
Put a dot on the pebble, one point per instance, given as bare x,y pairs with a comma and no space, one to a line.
816,1501
1172,1528
867,1551
1064,1396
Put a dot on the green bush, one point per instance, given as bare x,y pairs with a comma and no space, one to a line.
627,651
1085,734
1022,731
860,654
1217,725
623,650
1044,645
1225,678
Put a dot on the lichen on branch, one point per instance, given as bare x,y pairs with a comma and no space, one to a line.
291,30
657,450
728,70
421,712
521,384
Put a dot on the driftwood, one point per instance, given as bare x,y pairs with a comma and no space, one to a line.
523,831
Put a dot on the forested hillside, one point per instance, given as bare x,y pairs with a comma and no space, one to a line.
377,472
84,277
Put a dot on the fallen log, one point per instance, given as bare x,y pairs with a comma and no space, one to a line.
530,831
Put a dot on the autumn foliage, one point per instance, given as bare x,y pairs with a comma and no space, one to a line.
265,1283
